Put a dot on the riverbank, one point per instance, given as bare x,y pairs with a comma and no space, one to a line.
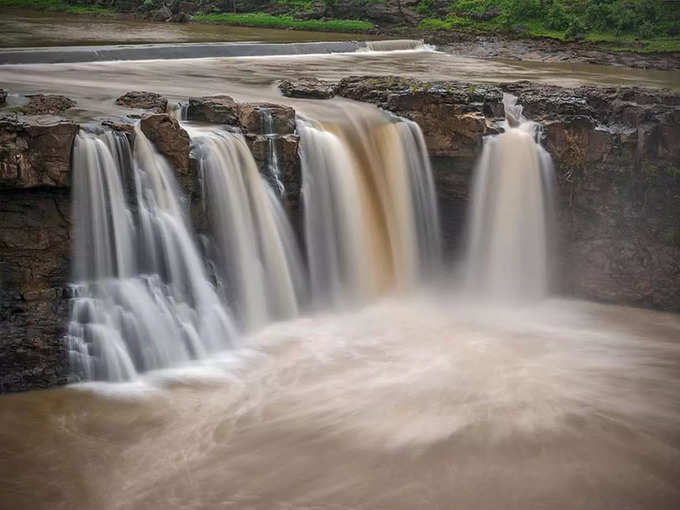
381,19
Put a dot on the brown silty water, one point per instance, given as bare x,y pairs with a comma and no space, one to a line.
428,402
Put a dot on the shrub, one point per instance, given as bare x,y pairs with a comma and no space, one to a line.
557,18
425,7
576,29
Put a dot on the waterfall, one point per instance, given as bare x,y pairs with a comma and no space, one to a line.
142,298
371,220
511,211
256,252
273,170
146,298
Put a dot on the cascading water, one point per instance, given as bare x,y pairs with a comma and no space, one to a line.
143,300
511,211
257,256
371,221
273,170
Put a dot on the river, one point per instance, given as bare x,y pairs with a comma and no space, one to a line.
422,399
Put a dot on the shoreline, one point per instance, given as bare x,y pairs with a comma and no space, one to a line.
471,43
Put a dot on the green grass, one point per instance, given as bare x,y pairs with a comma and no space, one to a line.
55,5
260,19
535,28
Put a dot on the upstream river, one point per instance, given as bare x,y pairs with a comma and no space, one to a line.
426,401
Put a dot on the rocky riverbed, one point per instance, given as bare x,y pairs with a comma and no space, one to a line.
615,151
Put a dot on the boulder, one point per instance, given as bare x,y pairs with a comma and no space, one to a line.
180,17
162,14
3,96
36,153
214,109
310,88
169,138
144,100
40,104
252,118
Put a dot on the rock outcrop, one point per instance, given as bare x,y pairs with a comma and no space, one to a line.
35,244
144,100
213,109
309,88
170,139
35,152
41,104
3,97
252,118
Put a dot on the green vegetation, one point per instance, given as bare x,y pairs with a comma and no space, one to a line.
55,5
643,25
260,19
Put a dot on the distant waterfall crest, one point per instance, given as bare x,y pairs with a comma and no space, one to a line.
371,220
511,213
143,300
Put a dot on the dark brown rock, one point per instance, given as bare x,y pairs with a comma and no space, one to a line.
214,109
40,104
310,88
122,127
36,153
180,17
252,118
162,14
169,138
287,147
452,115
35,245
144,100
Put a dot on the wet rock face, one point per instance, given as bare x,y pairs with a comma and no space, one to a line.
213,109
309,88
36,152
252,118
35,243
287,147
144,100
170,139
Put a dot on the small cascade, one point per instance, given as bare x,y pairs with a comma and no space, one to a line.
142,298
256,252
511,212
371,221
179,110
273,170
397,45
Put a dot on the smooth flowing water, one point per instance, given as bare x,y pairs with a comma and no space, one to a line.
257,257
426,402
511,212
371,220
143,300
